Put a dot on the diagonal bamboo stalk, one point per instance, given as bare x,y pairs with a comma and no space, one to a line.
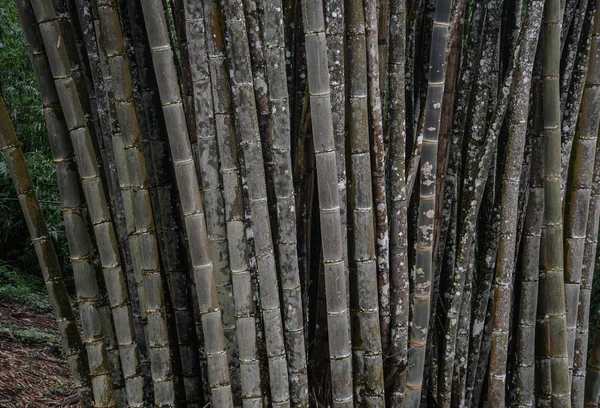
73,348
191,203
329,202
95,197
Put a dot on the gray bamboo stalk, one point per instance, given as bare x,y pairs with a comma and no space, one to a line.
335,31
507,245
383,34
257,194
191,203
578,192
251,391
94,315
574,64
553,276
475,190
361,203
207,165
426,209
128,145
73,349
375,109
329,202
591,378
273,33
95,197
399,285
214,48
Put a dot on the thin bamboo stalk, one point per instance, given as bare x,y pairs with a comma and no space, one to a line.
93,188
426,210
250,141
363,250
73,348
505,263
399,284
284,192
191,203
329,202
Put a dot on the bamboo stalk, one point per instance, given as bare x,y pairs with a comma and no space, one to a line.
284,192
94,193
553,302
426,210
399,284
191,204
329,202
505,264
363,250
257,194
73,348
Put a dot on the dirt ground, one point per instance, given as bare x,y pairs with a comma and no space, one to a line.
32,372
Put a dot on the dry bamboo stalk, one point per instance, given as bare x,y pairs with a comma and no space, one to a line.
191,203
363,266
329,202
73,348
426,208
284,192
505,263
399,285
94,193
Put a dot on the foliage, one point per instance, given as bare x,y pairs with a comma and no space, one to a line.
25,289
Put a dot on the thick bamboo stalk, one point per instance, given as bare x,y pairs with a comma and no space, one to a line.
399,284
505,264
73,348
250,141
93,188
426,210
191,203
553,302
214,48
363,251
273,33
329,202
207,156
81,246
578,192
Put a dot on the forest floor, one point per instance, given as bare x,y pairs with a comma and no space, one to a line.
32,370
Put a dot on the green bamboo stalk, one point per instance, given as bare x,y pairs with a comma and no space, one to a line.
73,348
95,197
191,203
553,277
257,194
426,210
505,263
578,192
329,202
361,204
284,191
399,285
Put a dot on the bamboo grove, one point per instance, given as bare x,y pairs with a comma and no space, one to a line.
294,203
